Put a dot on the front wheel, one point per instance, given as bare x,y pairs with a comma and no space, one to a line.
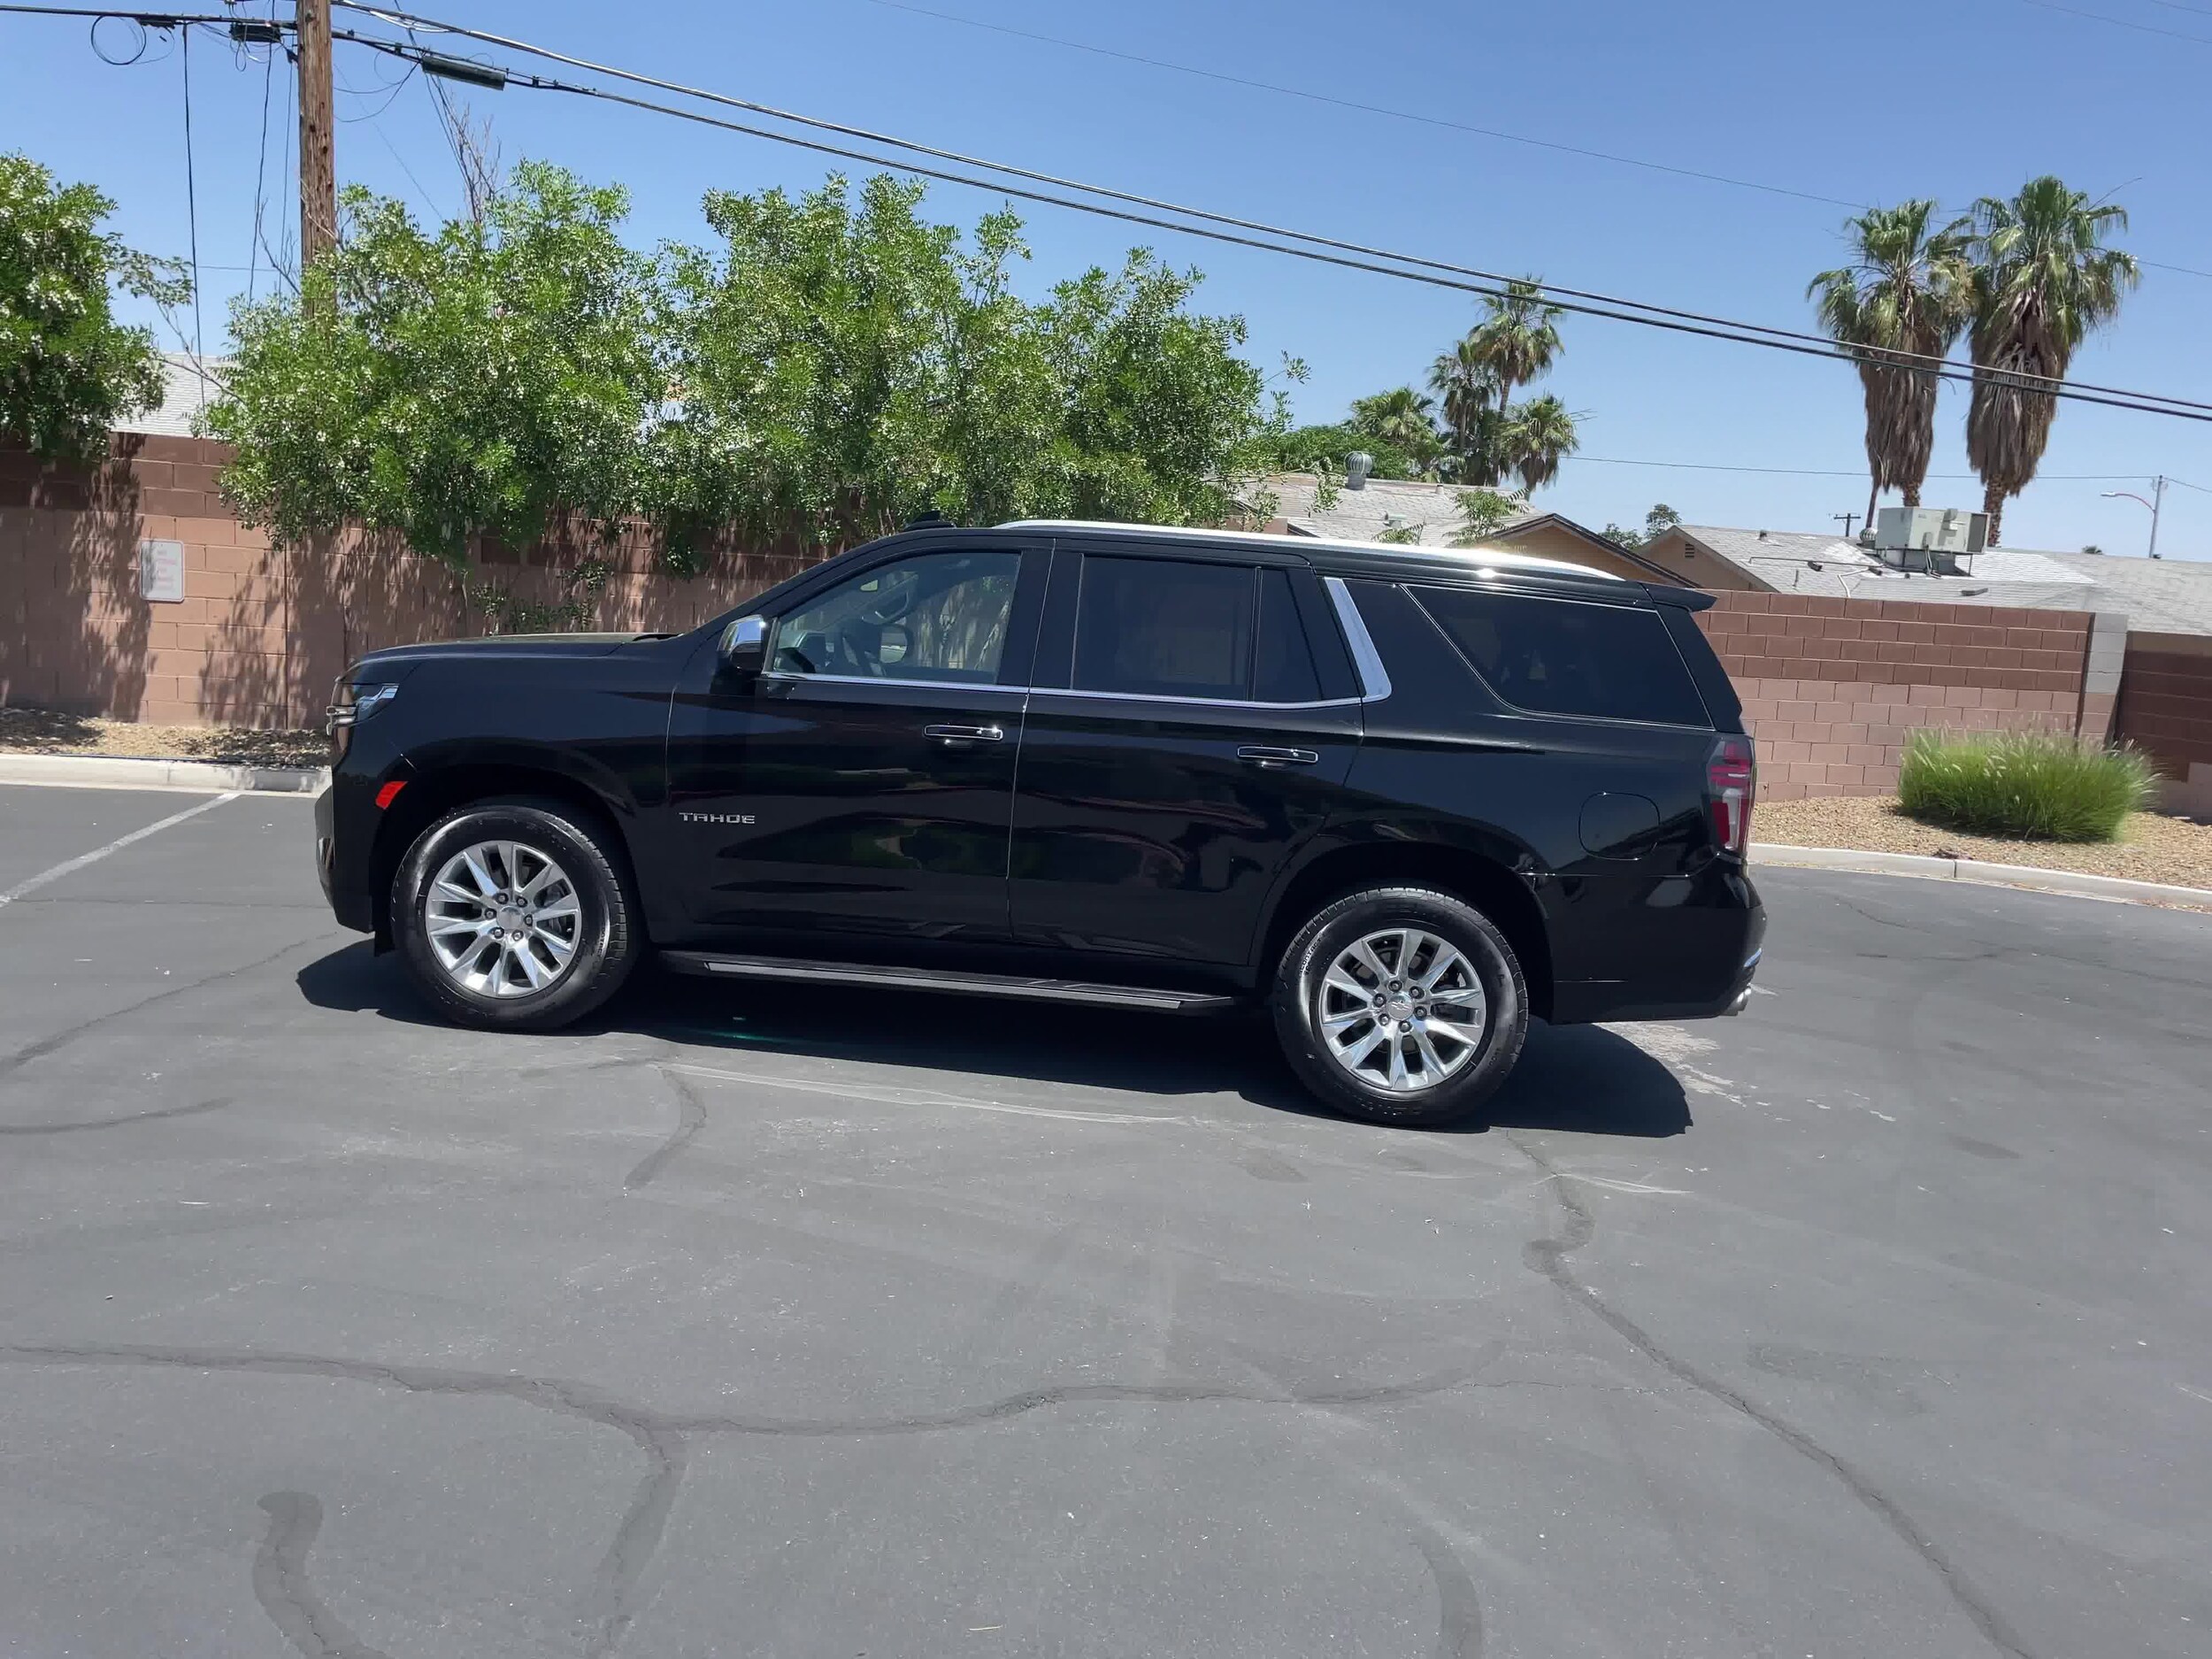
1400,1005
513,915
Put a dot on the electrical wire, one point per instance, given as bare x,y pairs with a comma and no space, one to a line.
1555,292
192,223
260,168
392,97
1488,284
1857,473
1369,109
2119,23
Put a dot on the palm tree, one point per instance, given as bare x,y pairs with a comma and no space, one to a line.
1468,385
1399,417
2043,281
1520,337
1907,288
1540,435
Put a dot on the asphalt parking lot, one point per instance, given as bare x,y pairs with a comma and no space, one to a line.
769,1322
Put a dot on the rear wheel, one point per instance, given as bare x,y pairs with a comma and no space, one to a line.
1400,1005
513,914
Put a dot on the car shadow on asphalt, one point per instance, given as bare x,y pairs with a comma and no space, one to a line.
1582,1080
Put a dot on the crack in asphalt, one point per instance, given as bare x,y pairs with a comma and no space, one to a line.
279,1582
615,1596
45,1046
1548,1256
217,1104
691,1118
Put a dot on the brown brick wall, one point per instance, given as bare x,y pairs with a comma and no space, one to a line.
262,632
1831,687
2165,706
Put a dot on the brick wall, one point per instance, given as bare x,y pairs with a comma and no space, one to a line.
261,632
1831,687
2166,710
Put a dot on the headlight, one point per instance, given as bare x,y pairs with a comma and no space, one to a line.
355,704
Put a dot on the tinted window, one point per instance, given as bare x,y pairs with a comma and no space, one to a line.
1160,629
1284,673
1561,656
937,616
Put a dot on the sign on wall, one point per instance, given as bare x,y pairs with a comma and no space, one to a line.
161,571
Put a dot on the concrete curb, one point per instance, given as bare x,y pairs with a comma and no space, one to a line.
203,777
1974,870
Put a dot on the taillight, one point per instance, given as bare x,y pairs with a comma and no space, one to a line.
1732,772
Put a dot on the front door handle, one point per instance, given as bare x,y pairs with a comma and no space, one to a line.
965,733
1260,755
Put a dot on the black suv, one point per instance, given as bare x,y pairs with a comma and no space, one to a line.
1405,799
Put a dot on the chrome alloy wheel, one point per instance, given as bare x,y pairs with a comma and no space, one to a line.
503,919
1400,1010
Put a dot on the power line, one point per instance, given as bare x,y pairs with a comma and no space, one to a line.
1857,473
1429,120
1369,109
2120,23
260,167
192,226
1488,283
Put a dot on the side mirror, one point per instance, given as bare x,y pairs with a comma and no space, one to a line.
745,645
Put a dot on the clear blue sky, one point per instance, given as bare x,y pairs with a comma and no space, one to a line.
1873,103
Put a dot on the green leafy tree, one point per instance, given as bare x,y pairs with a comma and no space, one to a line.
1485,512
1400,419
68,370
2044,280
1466,382
1909,288
450,387
1657,522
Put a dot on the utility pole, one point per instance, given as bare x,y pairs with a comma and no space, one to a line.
318,175
1848,518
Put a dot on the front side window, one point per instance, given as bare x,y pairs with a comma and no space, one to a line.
1564,657
1164,628
936,616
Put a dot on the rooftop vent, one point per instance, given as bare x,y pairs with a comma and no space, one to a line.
1357,465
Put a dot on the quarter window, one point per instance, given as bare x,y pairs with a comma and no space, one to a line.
937,616
1562,656
1164,628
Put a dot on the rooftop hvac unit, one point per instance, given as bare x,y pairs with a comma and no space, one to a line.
1929,538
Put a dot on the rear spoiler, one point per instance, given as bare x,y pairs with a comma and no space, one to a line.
1688,598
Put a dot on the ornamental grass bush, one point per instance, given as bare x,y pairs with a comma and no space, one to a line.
2026,785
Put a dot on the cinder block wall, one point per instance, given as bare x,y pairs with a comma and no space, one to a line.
1831,687
2166,710
261,633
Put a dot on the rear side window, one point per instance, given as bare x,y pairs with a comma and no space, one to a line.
1163,628
1565,657
1286,672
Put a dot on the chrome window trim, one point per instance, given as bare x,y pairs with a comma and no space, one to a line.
1373,677
1198,702
887,680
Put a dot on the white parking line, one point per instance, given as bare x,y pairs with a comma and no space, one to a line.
45,877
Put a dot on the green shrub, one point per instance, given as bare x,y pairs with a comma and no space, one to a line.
2026,785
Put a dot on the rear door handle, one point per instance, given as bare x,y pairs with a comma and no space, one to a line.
1260,755
965,733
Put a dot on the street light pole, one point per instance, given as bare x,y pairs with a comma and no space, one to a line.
2156,502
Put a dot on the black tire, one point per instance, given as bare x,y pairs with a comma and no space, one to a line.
1298,983
607,940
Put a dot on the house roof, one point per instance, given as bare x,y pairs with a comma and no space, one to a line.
187,385
2168,595
2159,595
1432,510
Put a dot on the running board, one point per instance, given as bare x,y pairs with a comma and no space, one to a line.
1155,999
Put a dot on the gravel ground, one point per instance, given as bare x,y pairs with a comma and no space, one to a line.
2154,846
42,731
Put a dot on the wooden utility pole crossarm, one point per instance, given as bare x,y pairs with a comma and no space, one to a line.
319,175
